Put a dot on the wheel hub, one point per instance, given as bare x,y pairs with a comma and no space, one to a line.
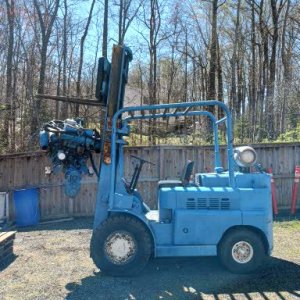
120,247
242,252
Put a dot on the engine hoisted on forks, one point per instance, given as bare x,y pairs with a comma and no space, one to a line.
70,146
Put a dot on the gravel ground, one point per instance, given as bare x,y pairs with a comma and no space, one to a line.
52,262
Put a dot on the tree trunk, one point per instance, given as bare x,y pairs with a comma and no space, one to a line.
211,93
272,70
233,63
264,66
252,98
220,96
186,68
46,29
152,86
212,73
82,41
285,56
105,29
121,21
64,105
10,9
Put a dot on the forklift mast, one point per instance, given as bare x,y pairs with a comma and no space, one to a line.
110,90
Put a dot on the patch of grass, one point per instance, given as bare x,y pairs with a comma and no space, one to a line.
287,240
294,224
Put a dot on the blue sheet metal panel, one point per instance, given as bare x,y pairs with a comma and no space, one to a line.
253,180
269,234
179,197
167,198
123,201
101,211
243,180
262,220
163,233
256,206
185,194
196,227
212,179
203,189
168,251
255,199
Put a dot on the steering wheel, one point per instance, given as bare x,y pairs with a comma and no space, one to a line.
130,187
142,160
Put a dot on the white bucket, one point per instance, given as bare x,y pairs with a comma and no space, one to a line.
3,206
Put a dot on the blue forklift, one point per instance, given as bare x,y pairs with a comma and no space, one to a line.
226,213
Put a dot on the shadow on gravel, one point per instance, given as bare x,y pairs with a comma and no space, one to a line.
191,278
7,262
63,224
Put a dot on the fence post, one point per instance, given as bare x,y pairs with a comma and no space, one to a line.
295,190
71,206
161,162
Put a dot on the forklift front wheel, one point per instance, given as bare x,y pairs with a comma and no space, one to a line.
121,246
242,251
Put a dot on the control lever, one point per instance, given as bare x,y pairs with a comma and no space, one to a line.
137,172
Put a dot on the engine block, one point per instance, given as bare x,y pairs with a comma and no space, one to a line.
69,148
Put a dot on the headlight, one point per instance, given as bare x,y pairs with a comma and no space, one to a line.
245,156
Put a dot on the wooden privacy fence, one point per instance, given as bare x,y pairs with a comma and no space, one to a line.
26,170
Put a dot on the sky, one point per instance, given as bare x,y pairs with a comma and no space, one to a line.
82,12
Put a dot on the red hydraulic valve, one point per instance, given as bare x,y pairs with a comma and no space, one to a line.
295,190
273,190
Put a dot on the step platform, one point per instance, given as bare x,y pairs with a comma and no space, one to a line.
6,245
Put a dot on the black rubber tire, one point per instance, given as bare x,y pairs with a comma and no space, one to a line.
227,244
139,234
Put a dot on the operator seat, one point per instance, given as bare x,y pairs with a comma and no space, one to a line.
183,181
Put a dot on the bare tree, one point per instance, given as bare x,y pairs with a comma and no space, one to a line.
64,107
212,73
246,52
276,8
47,12
253,87
286,61
105,29
128,10
82,41
153,24
233,63
10,107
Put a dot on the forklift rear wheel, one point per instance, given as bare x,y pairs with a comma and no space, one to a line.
121,246
242,251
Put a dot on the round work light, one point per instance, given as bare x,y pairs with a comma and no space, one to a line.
245,156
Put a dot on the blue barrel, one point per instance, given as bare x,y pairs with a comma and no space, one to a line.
26,207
